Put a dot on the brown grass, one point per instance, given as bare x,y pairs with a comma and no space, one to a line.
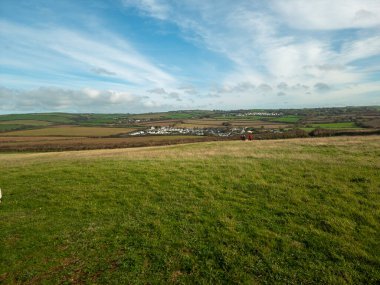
302,149
234,123
16,144
212,123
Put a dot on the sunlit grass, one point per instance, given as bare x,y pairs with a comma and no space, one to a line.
292,211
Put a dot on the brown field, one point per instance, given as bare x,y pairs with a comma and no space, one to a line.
148,116
211,123
15,144
373,123
69,131
252,149
234,123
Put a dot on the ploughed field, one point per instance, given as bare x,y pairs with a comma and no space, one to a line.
297,211
28,144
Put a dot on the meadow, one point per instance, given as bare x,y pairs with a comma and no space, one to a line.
297,211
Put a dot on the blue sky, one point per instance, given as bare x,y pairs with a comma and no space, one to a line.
156,55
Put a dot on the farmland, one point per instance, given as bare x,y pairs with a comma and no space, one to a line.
89,131
262,212
19,144
70,131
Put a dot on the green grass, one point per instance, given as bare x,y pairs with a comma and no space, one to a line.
307,129
178,116
286,119
344,125
14,125
186,115
9,127
70,131
49,117
231,117
302,211
26,123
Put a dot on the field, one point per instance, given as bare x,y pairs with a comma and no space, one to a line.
299,211
207,123
47,117
287,119
9,127
69,131
25,122
19,144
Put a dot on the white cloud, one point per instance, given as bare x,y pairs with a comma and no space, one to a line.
265,57
92,93
360,49
44,99
329,15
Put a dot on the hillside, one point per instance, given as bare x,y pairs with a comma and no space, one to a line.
261,212
63,131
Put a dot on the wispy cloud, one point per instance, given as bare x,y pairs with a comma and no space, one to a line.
59,50
189,54
155,8
259,40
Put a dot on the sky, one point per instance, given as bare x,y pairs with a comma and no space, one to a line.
135,56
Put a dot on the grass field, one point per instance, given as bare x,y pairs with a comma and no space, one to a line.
49,117
70,131
300,211
9,127
26,122
286,119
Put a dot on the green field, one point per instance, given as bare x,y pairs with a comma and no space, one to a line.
286,119
69,131
9,127
26,122
6,126
64,118
49,117
300,211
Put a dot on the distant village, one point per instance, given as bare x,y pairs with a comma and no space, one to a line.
264,114
220,132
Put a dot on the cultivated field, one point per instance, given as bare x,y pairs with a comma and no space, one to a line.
18,144
233,123
297,211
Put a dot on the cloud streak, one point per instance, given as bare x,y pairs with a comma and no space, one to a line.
58,50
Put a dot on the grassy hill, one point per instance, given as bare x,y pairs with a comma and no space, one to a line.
300,211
